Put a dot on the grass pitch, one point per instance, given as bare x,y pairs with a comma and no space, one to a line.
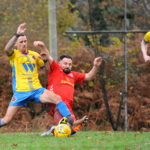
87,140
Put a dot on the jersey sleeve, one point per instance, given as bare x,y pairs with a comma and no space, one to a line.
54,65
11,57
79,77
40,62
11,54
146,38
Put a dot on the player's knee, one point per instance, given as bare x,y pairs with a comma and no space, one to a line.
58,99
50,97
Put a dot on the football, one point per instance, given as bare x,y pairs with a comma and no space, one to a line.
62,130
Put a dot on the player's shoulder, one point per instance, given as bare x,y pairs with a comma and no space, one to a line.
73,73
77,74
13,53
33,52
55,64
34,55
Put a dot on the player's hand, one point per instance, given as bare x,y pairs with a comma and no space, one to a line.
38,43
147,58
98,61
44,51
45,55
21,29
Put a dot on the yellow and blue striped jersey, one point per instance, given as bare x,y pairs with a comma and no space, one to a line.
25,70
147,37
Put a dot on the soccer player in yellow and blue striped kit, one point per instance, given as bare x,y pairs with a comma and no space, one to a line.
144,45
25,83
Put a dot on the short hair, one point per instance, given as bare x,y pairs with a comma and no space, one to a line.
18,35
65,56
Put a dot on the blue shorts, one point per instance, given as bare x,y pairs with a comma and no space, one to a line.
21,98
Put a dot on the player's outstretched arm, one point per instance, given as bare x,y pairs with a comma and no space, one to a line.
20,31
45,55
144,51
97,62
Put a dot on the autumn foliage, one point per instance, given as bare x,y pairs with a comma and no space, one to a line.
88,97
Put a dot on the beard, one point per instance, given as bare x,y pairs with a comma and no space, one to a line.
66,71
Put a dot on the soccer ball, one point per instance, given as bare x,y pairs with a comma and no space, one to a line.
62,130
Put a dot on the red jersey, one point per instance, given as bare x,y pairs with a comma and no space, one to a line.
63,84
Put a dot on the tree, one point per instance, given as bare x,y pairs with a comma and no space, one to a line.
35,14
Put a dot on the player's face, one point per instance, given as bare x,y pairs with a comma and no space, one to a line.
22,44
66,65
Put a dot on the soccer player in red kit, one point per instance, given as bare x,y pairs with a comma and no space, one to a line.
62,80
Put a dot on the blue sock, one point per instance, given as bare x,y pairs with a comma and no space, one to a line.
63,109
0,121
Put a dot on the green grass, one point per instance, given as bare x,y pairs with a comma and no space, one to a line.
87,140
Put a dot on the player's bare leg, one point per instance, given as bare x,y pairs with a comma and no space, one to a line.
11,111
79,123
50,97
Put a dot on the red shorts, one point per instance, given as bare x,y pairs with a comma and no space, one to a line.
54,113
